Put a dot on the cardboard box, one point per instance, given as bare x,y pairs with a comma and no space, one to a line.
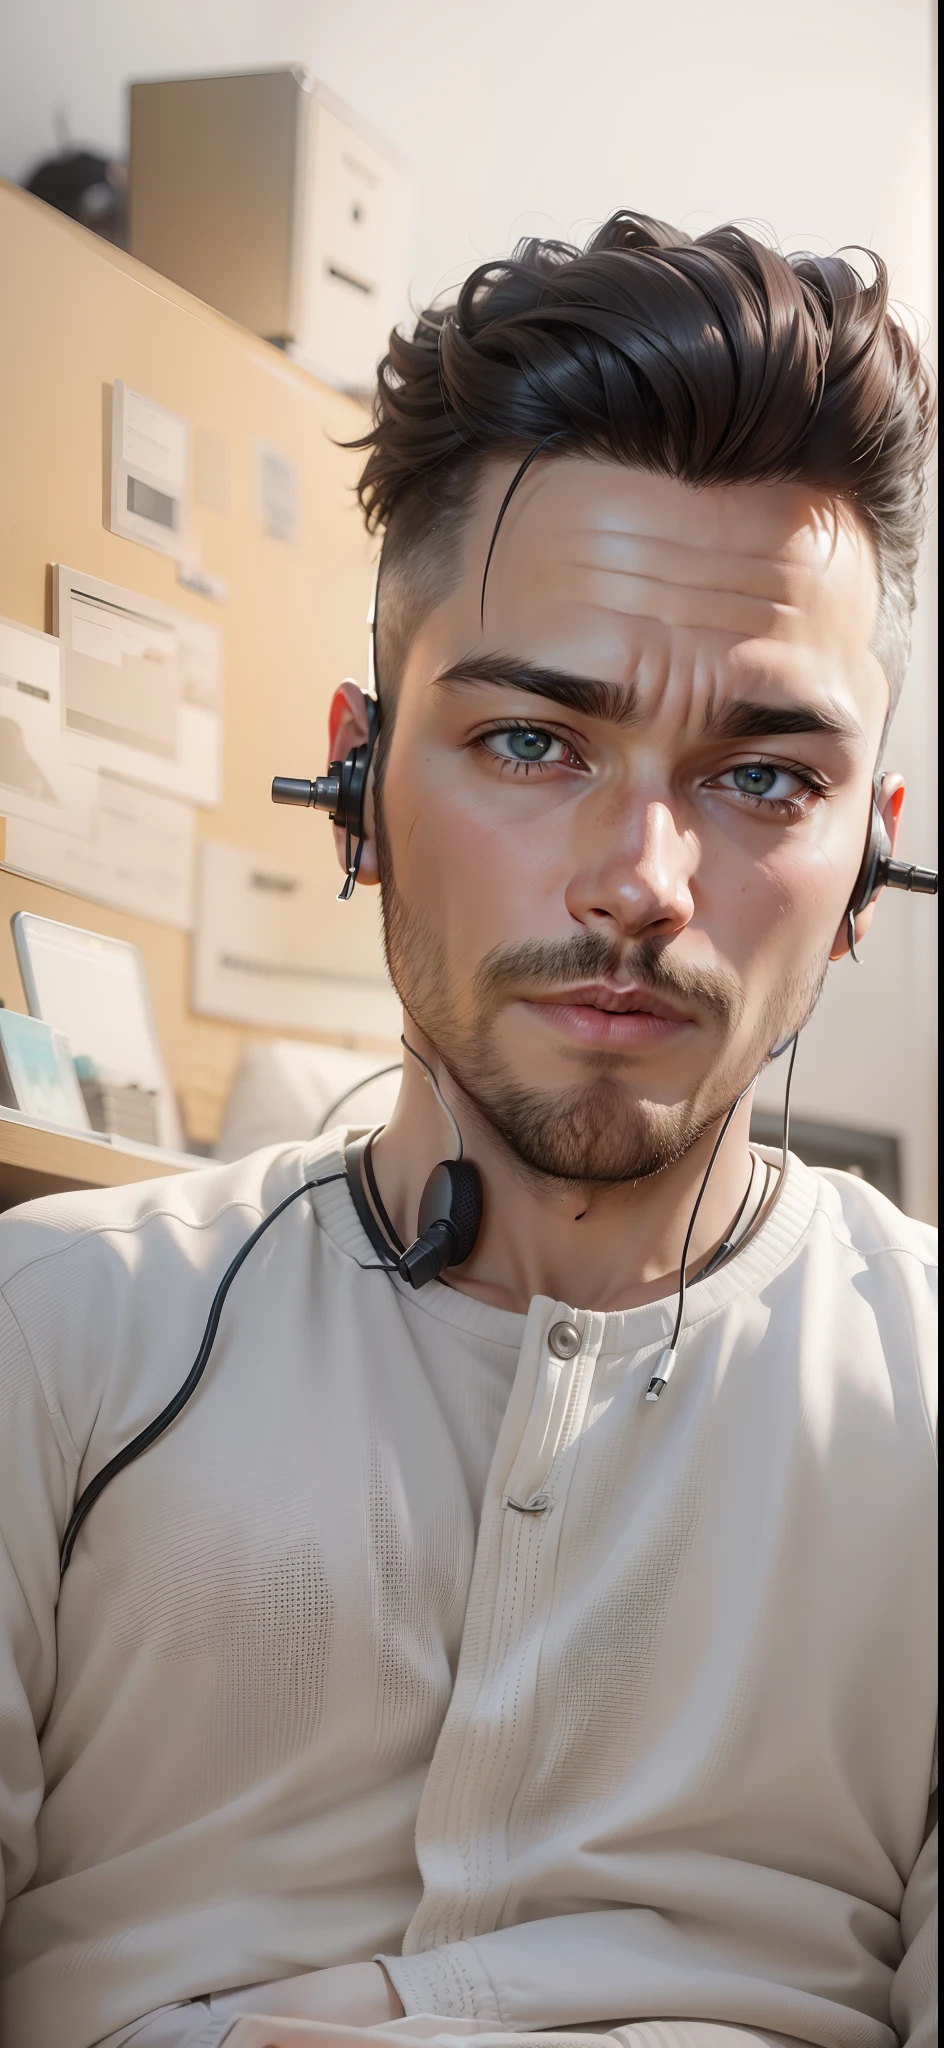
264,196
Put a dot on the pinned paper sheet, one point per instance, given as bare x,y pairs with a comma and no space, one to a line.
82,828
273,948
138,855
142,687
150,452
277,492
38,782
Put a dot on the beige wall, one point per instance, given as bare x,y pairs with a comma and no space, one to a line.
76,316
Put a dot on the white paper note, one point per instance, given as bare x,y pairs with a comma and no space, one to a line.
154,441
142,688
37,779
138,857
150,449
277,489
269,949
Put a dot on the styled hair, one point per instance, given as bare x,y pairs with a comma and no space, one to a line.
716,360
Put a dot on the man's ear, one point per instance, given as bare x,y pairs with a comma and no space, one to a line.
348,727
889,796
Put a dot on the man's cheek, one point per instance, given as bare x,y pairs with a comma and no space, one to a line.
453,853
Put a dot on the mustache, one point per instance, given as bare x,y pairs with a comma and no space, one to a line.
536,963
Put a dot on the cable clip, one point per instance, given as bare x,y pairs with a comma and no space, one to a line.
665,1366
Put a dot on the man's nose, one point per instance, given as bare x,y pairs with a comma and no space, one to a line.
634,876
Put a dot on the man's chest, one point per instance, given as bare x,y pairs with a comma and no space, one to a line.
648,1598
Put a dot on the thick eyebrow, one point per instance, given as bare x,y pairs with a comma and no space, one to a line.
741,719
613,703
618,704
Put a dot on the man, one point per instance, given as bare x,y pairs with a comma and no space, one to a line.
425,1666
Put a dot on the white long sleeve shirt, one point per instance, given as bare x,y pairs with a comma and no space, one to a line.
316,1689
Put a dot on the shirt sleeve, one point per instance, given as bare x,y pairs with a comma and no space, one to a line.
914,1990
38,1464
613,1967
564,1971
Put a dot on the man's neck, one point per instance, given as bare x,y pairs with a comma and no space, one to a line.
606,1248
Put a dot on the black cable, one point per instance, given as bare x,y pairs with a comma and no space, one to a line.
703,1274
666,1359
731,1241
395,1067
149,1435
665,1362
726,1250
384,1220
785,1139
719,1141
437,1091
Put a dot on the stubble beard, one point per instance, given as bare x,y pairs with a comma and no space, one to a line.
597,1132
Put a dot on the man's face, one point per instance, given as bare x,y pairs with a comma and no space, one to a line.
621,820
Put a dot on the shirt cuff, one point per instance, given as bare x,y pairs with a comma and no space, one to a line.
448,1982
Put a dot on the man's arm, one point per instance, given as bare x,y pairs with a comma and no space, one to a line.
37,1472
914,1991
353,1994
38,1464
785,1941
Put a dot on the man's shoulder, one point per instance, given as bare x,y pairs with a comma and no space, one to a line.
865,1220
890,1260
91,1227
108,1288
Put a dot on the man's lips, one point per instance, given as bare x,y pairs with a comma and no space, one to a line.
634,999
601,1014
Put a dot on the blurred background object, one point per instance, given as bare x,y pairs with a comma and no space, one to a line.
91,189
531,116
285,1090
264,196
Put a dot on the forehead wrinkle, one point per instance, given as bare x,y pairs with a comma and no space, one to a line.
769,603
694,607
663,560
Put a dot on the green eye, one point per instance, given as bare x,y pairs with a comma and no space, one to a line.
527,745
755,778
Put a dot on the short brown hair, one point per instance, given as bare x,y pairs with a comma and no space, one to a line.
715,360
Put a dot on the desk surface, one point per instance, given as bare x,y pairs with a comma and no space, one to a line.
42,1159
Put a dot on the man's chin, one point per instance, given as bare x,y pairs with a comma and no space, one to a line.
590,1135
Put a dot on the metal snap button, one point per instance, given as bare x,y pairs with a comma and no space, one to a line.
564,1340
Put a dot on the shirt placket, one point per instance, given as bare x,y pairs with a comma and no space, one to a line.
483,1747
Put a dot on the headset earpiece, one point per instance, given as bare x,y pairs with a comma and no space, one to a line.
871,876
874,868
341,793
448,1223
880,871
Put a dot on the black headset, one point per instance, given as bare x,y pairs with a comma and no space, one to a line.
449,1219
879,871
342,793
